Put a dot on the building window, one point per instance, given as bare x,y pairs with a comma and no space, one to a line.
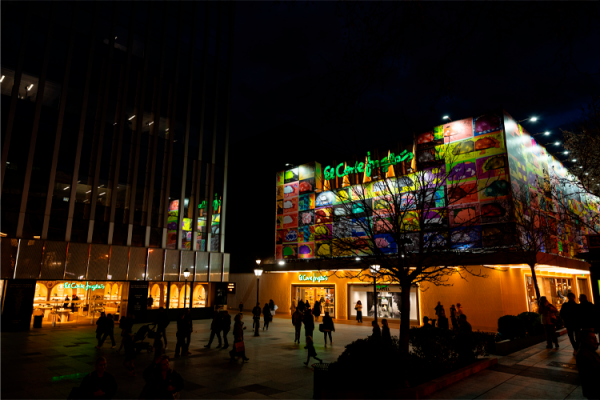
387,301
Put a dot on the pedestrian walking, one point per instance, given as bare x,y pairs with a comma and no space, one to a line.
162,321
588,364
587,319
125,324
158,345
162,382
311,350
293,307
570,314
301,306
297,322
273,308
190,328
309,325
358,308
215,329
442,319
109,331
256,316
226,326
239,349
453,317
438,308
266,316
317,310
464,326
549,313
241,306
376,331
386,336
328,327
182,331
98,384
100,323
129,345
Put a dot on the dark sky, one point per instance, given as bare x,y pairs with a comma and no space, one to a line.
530,59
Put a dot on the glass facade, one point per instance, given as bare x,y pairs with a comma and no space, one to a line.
387,301
325,295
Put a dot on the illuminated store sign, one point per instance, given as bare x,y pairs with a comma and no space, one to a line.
82,286
385,162
216,203
312,278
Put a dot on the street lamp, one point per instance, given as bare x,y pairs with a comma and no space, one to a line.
532,119
258,272
186,275
447,117
375,271
541,133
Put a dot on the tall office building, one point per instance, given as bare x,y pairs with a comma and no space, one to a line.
115,126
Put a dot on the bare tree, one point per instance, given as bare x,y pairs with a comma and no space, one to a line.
420,227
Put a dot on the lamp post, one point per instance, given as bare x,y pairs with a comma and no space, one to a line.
258,272
374,271
186,275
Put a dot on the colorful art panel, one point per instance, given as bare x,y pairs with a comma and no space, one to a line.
290,235
306,217
465,215
466,237
306,250
494,212
323,232
409,221
488,167
342,229
487,123
290,220
497,235
493,188
306,233
291,190
458,130
290,205
435,219
307,185
323,249
489,144
279,222
386,243
325,199
290,251
341,211
279,252
306,171
279,207
280,236
280,190
306,202
324,215
291,175
462,193
279,178
463,171
341,196
362,192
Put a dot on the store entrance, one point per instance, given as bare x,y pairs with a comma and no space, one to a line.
311,294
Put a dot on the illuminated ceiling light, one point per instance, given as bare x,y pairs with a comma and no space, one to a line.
447,117
88,191
29,87
2,234
66,188
580,166
132,117
36,237
150,123
546,133
556,143
102,193
281,262
565,152
2,79
574,160
533,119
167,130
357,258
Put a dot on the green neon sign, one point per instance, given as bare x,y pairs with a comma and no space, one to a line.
312,278
340,171
87,286
216,203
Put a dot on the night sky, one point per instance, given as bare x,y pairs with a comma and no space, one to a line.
296,77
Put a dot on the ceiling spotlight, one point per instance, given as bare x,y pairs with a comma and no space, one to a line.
357,258
556,143
132,117
574,160
533,119
281,262
2,79
546,133
447,117
565,152
29,87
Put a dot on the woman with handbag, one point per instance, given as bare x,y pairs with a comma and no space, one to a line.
327,328
358,308
549,313
239,349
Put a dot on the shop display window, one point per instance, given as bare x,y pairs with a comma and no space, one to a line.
555,290
387,301
199,295
584,287
311,294
157,296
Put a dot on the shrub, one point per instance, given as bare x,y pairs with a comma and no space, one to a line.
532,322
511,327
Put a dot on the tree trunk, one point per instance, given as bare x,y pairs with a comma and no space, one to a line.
405,320
535,282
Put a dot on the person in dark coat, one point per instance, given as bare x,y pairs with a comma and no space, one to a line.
569,312
162,382
241,306
385,332
162,321
266,316
129,362
256,315
126,325
301,306
426,323
226,326
317,310
297,322
99,384
376,331
190,328
309,325
311,350
464,325
109,330
73,304
442,319
66,303
588,364
328,327
453,317
215,329
100,324
238,337
182,331
587,316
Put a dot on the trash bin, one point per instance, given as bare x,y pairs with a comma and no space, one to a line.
37,321
321,378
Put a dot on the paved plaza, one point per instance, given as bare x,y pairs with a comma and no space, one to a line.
47,363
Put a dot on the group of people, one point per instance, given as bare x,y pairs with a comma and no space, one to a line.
268,312
72,300
457,317
382,333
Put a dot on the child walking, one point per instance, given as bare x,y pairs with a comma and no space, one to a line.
311,350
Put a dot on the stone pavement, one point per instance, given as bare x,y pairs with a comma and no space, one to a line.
48,362
532,373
